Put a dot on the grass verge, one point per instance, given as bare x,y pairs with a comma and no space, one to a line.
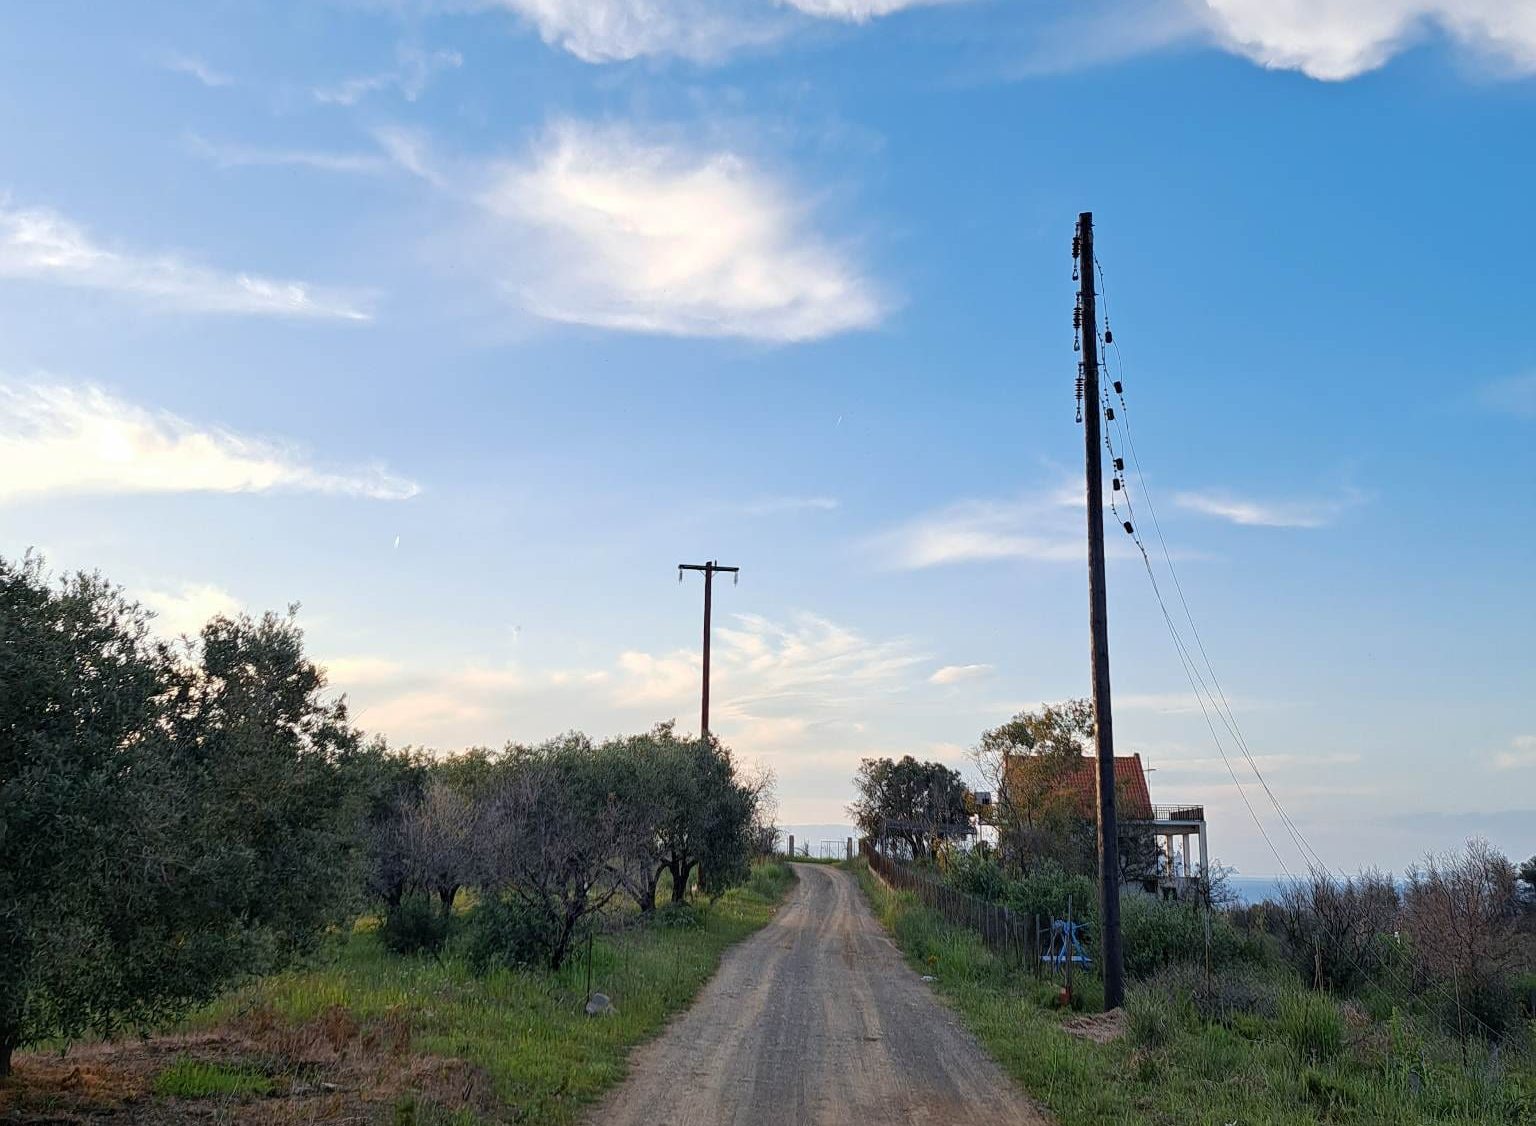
544,1057
1308,1062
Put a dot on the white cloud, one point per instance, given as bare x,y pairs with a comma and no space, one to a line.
187,609
1340,39
1314,513
705,31
854,11
191,65
413,71
345,672
1042,528
1516,395
605,31
602,227
38,244
1521,753
954,674
58,439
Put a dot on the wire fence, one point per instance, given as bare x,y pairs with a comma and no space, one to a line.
1016,938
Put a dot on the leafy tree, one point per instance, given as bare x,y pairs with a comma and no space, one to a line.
919,796
547,838
166,823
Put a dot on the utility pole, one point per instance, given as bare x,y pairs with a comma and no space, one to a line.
709,570
1098,614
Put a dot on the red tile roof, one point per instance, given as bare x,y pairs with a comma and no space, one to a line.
1135,799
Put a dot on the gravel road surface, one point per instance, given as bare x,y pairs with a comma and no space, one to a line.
815,1019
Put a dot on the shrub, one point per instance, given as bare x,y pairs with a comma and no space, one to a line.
684,915
1158,932
978,873
1310,1023
1337,929
414,926
504,933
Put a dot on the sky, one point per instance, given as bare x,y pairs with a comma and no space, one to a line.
460,325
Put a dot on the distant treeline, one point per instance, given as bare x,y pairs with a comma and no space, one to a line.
175,816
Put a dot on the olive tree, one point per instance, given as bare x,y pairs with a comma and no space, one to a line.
919,796
168,820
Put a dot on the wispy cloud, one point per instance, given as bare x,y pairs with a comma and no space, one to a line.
191,65
1041,527
955,674
188,608
1516,395
229,155
1309,513
38,244
414,69
57,439
706,31
773,506
1521,754
1341,39
767,668
604,227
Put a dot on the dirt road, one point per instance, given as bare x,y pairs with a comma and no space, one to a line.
815,1019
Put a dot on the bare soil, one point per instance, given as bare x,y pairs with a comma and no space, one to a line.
333,1069
816,1019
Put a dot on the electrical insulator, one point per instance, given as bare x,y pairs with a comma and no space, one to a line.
1119,389
1109,337
1077,317
1130,531
1120,463
1077,247
1117,484
1109,413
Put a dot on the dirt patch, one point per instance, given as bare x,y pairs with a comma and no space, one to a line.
333,1069
1101,1028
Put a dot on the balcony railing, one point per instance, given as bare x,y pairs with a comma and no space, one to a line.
1178,813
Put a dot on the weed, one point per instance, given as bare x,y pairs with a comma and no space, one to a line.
195,1079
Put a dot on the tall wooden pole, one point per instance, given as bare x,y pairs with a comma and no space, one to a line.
708,570
1098,612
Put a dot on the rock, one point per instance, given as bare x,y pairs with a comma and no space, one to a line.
599,1005
929,977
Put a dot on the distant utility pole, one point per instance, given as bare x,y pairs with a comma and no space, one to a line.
1098,615
709,570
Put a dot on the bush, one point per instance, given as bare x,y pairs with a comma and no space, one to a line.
684,915
1157,933
1310,1023
1338,929
415,926
978,873
503,933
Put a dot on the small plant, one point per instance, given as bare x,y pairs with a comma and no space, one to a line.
1311,1025
679,915
194,1079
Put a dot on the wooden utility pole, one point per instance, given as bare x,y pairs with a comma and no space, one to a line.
1098,613
709,570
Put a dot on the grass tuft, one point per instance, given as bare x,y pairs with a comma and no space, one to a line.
195,1079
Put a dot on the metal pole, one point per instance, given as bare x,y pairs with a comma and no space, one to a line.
1098,612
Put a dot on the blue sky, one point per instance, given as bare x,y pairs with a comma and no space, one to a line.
462,324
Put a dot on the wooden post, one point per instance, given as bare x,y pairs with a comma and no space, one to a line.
709,570
1098,616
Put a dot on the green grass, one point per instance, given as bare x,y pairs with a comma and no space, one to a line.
193,1079
527,1030
1301,1066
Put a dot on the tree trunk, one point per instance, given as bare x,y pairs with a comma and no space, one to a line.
648,892
446,896
7,1046
680,870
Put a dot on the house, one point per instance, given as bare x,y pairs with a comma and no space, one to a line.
1050,785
